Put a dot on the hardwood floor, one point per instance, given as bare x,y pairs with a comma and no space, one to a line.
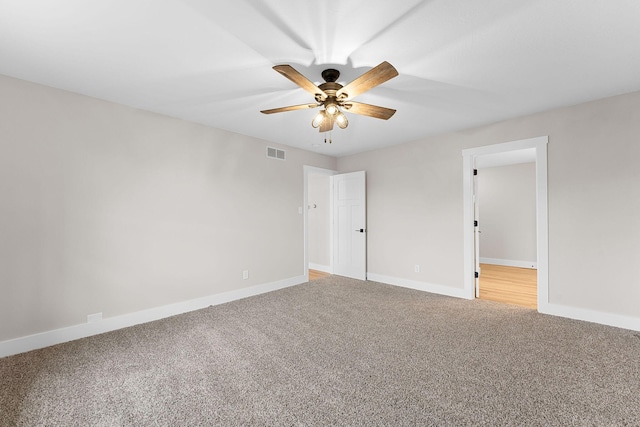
315,274
509,285
498,283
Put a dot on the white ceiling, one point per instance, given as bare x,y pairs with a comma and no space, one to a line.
462,63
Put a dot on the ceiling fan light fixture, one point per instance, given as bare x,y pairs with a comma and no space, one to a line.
332,97
331,109
341,120
318,119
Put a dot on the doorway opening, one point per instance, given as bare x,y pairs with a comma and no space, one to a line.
336,243
317,222
505,154
505,202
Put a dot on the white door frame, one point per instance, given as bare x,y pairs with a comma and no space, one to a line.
308,170
470,157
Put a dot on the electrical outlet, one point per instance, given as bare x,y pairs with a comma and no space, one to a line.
416,268
245,274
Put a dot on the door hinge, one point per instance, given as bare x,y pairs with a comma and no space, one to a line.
477,274
475,171
475,223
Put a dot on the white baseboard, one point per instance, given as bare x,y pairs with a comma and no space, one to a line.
420,286
320,267
58,336
609,319
509,262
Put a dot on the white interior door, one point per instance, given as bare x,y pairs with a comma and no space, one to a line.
349,230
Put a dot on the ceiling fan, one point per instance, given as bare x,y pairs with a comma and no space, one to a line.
334,97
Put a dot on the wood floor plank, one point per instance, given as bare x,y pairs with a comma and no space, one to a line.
315,274
511,285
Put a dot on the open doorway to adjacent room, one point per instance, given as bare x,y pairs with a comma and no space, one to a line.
318,222
506,241
506,215
335,223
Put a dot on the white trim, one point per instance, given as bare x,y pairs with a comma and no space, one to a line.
420,286
521,144
306,170
542,222
509,262
469,266
320,267
609,319
58,336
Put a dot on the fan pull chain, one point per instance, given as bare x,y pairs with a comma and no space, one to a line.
325,138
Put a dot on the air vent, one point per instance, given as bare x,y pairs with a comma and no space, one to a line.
275,153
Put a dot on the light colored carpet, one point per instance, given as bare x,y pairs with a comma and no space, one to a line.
334,352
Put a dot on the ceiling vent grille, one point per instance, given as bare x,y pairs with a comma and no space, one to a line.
274,153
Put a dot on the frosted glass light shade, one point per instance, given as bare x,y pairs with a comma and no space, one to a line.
341,120
318,119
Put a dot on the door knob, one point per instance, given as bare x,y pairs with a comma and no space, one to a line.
360,230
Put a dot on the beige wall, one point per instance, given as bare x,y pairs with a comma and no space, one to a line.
105,208
415,203
507,203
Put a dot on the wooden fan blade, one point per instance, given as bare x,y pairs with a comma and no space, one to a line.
290,108
326,125
292,74
369,110
368,80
